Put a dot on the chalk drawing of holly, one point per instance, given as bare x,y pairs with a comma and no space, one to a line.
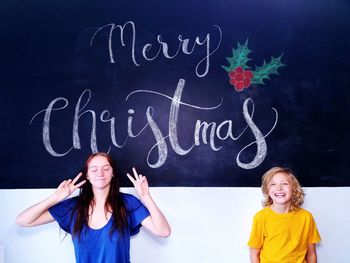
240,74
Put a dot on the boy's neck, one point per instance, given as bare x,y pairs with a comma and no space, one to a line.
281,208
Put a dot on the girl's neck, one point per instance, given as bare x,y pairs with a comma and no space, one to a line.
280,208
100,196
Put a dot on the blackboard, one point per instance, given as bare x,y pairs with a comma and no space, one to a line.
192,93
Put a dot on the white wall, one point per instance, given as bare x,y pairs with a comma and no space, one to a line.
209,225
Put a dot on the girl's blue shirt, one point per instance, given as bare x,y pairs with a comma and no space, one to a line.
98,245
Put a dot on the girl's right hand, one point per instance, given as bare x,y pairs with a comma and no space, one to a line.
67,187
39,214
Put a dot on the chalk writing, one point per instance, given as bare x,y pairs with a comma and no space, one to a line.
163,47
203,133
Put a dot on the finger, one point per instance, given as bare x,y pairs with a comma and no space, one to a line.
135,173
77,178
62,184
140,179
66,184
145,180
131,178
80,184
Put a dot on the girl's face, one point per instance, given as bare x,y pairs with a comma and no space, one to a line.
99,172
280,189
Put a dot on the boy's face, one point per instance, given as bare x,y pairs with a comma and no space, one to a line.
280,189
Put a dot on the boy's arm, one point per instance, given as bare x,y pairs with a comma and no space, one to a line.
255,255
311,256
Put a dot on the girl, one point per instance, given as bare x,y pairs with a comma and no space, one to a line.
101,219
283,232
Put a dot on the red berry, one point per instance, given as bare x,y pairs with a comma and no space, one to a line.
246,83
239,77
239,69
233,82
239,86
232,74
248,74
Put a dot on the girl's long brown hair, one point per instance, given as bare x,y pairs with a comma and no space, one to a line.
114,202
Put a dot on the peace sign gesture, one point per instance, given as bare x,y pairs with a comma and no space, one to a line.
67,187
140,183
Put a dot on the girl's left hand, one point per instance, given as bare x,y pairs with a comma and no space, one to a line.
140,183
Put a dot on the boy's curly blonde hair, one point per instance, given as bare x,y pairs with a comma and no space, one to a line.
297,192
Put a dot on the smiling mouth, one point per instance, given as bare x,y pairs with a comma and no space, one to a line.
280,195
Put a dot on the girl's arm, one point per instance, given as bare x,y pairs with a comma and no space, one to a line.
156,222
311,256
38,214
254,255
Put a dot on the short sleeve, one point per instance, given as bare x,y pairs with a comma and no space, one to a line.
256,239
137,212
314,236
62,213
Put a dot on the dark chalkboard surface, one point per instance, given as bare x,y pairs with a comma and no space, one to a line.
193,93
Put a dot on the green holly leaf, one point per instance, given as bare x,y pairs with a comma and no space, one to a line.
239,57
266,69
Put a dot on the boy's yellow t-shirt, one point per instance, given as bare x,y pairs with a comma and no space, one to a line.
283,238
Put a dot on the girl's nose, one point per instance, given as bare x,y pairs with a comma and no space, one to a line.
99,172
